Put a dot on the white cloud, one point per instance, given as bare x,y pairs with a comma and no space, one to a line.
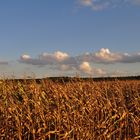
85,67
25,57
104,55
56,56
33,61
84,63
45,58
60,56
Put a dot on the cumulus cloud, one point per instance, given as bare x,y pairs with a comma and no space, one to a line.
56,56
25,57
104,55
33,61
46,58
85,67
83,63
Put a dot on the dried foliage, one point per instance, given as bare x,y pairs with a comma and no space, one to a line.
76,110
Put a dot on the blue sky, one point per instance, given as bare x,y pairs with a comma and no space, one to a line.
65,37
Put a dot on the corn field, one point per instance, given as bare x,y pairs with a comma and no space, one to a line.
74,110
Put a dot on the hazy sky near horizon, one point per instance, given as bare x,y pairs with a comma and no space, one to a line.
69,37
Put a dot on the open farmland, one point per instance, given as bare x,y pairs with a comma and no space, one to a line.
73,110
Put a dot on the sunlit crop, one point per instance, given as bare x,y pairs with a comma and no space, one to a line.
75,110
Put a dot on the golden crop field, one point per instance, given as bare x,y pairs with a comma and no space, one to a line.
75,110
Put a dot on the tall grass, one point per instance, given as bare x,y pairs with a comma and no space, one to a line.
76,110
